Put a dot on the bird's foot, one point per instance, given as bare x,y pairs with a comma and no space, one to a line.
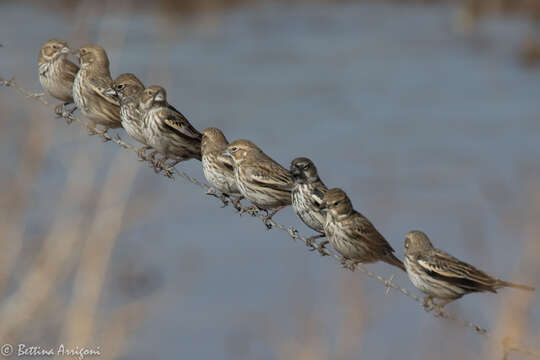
236,203
251,210
60,109
91,129
68,114
220,196
322,248
268,217
141,152
310,241
158,164
428,303
348,264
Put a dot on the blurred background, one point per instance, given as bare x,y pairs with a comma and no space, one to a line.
426,113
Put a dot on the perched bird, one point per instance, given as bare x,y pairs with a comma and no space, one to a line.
352,235
128,88
218,171
442,276
56,72
260,179
166,129
91,83
307,195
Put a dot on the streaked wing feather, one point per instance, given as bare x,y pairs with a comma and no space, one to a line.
99,86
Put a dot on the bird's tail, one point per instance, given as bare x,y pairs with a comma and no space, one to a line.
501,283
393,260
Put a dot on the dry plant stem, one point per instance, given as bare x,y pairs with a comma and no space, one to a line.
508,344
34,290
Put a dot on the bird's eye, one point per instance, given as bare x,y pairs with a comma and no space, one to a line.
234,149
305,167
120,86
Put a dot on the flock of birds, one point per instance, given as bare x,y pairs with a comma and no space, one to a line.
241,170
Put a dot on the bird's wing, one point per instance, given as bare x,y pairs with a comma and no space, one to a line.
99,86
362,229
444,266
69,71
271,175
178,123
317,194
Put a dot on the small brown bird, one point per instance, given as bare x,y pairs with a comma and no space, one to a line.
218,171
442,276
307,196
166,129
128,88
91,83
352,235
56,72
260,179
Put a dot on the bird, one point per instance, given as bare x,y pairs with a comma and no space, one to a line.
261,180
89,88
353,235
441,276
166,129
307,196
128,89
56,72
218,171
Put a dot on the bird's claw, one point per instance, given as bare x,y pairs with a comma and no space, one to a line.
236,203
213,192
348,264
322,248
141,152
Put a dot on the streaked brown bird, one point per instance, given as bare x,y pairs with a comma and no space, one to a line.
218,171
440,275
166,129
91,83
307,196
260,179
128,88
56,72
352,235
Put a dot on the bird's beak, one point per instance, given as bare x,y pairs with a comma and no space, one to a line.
324,205
159,97
65,50
226,154
295,172
110,92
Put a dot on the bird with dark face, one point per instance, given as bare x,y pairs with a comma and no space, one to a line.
56,72
91,85
218,171
260,179
352,235
441,276
128,89
307,196
166,129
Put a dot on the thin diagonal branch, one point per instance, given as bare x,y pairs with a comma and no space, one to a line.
509,345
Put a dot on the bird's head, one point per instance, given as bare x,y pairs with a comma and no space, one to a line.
52,50
337,203
153,95
417,241
92,54
303,171
126,85
239,150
